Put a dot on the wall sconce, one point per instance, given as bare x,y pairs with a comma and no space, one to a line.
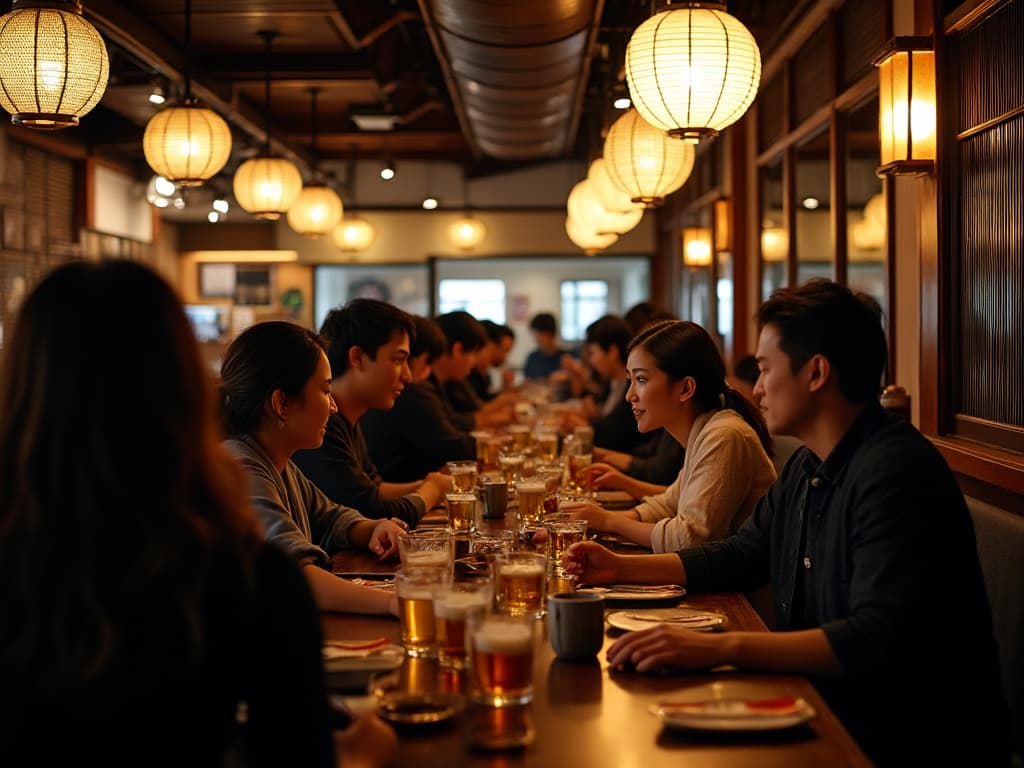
774,244
697,247
722,212
906,97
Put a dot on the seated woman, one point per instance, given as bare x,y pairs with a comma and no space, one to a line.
677,381
276,390
140,605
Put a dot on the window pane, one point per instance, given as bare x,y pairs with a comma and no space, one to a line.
483,299
583,302
814,251
774,238
865,206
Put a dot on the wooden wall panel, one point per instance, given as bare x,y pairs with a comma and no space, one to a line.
992,67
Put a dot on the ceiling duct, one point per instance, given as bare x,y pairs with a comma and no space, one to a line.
517,71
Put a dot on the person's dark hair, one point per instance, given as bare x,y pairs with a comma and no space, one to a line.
639,316
462,327
824,318
116,496
609,331
429,339
543,322
745,369
496,332
365,323
680,349
266,356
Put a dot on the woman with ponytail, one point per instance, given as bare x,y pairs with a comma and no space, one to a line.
677,381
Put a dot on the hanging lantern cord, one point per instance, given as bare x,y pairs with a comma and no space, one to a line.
188,51
313,159
268,36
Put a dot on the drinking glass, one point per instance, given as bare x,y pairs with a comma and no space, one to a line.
461,512
416,609
530,491
501,657
427,549
584,434
520,583
520,436
563,532
547,446
579,466
485,545
463,474
511,465
454,603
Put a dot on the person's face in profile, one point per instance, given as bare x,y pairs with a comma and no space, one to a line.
654,399
306,417
779,389
385,376
419,367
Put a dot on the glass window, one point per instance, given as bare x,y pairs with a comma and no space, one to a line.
483,299
583,302
866,224
774,238
814,251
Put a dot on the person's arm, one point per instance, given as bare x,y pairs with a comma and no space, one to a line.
806,652
617,459
335,594
391,491
429,492
603,475
594,564
623,524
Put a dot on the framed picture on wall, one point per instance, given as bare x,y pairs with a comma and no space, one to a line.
217,281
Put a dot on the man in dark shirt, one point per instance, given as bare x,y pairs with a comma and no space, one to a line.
368,349
547,357
868,543
464,339
418,435
500,339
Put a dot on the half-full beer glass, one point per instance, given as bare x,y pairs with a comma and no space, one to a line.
501,653
520,583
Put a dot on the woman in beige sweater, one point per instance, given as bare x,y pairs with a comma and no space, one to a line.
677,381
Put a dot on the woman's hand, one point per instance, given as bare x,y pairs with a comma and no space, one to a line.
596,517
592,563
605,476
666,648
384,539
368,743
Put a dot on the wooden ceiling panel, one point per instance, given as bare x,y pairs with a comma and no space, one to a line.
514,24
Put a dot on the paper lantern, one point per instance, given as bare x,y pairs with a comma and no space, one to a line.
609,196
696,247
692,71
906,107
53,65
187,144
467,232
586,239
584,207
266,187
643,161
316,211
354,234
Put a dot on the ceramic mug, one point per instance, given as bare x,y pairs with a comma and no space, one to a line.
576,624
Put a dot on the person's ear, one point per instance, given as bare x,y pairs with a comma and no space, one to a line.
456,349
818,371
356,356
687,388
278,405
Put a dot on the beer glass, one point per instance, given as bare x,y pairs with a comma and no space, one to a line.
547,446
461,512
584,434
511,465
427,549
520,436
501,657
485,545
481,436
454,603
463,474
520,583
579,471
563,532
416,609
531,491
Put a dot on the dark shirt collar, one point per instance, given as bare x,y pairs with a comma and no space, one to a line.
865,425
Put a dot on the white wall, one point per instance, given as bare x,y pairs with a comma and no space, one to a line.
120,206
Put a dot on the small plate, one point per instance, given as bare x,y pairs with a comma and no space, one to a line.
419,708
734,714
640,593
352,670
687,618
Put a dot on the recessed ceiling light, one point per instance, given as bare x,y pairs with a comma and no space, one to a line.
213,217
387,173
811,203
429,203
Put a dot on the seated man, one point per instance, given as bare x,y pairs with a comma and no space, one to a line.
418,435
368,349
868,543
500,339
547,357
465,338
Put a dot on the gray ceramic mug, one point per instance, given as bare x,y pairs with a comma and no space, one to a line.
576,624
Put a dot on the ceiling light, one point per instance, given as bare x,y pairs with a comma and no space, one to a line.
213,217
692,71
584,207
186,143
622,102
220,205
163,186
53,65
467,232
156,95
318,209
585,238
811,203
266,186
429,203
643,161
387,173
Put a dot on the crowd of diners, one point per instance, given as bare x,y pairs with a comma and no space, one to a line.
165,543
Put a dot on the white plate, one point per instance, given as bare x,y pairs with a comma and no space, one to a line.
687,618
639,593
734,714
351,671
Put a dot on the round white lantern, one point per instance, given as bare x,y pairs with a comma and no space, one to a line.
266,187
643,161
187,144
316,211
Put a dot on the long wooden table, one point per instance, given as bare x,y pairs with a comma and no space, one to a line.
585,714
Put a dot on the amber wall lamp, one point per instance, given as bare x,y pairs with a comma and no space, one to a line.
906,99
